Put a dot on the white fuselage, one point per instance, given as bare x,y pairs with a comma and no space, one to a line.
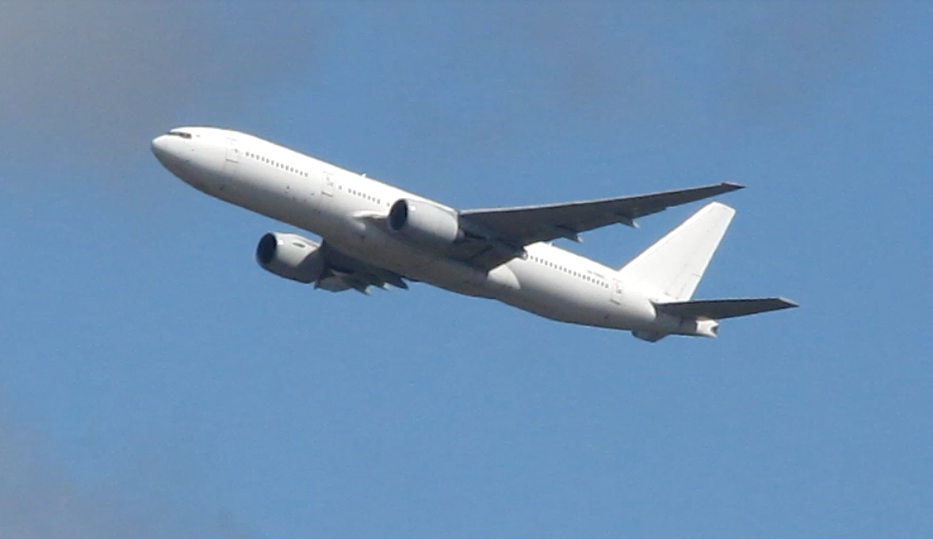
329,201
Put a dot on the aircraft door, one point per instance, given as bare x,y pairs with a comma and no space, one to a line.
327,188
230,168
616,296
233,150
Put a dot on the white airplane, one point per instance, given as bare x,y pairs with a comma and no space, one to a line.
374,234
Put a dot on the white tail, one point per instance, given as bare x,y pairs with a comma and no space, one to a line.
675,264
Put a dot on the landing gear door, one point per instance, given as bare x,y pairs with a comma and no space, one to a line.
616,296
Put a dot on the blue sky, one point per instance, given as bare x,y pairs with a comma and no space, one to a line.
155,383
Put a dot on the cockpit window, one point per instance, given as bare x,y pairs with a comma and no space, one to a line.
181,134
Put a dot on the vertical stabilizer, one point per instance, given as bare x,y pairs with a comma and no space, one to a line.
675,264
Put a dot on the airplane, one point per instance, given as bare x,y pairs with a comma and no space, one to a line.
376,235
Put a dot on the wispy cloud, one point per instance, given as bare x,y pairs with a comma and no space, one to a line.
39,499
782,59
544,71
96,80
771,58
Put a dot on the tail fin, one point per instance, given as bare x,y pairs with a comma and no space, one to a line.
675,264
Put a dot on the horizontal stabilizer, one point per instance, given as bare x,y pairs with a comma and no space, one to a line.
718,309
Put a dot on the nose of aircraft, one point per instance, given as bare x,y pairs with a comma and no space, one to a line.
159,148
173,151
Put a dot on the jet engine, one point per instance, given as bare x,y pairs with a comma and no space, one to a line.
425,223
290,256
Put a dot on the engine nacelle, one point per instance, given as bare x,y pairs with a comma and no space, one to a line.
424,223
290,256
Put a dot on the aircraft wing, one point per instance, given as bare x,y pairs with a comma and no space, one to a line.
499,235
343,272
